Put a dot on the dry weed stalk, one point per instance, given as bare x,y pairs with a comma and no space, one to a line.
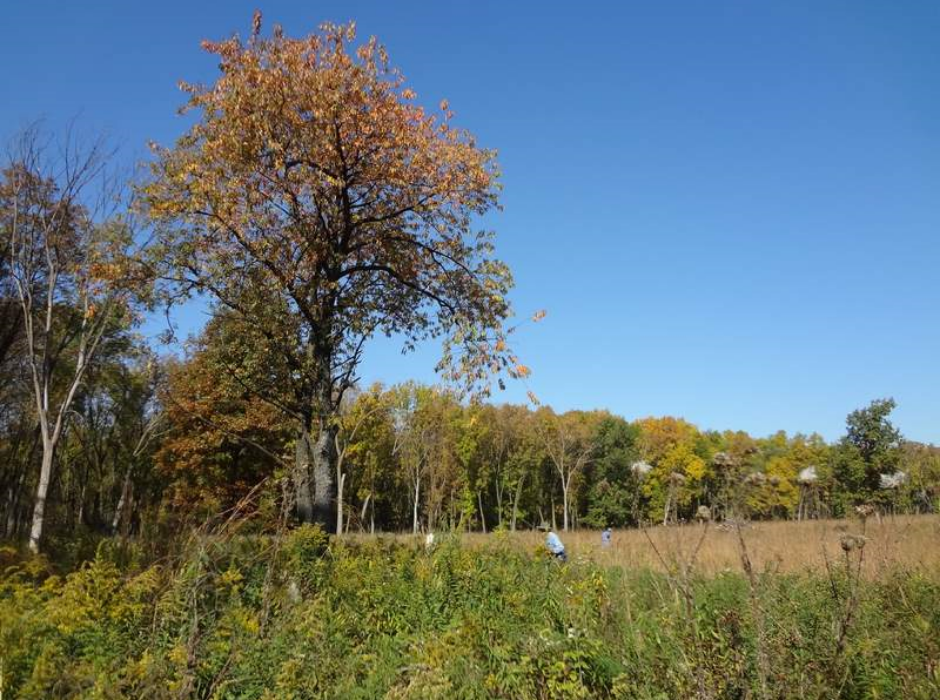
763,665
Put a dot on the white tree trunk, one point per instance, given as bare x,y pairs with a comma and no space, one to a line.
122,500
362,513
564,504
42,491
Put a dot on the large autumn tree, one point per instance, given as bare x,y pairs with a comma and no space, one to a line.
317,203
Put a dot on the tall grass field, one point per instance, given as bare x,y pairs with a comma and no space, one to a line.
819,609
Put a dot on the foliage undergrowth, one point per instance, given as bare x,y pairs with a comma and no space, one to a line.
309,617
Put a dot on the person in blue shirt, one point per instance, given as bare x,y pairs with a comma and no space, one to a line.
606,536
554,545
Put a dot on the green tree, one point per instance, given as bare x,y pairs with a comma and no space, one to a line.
614,485
871,447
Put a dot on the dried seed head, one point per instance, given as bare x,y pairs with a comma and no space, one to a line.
852,542
723,460
807,475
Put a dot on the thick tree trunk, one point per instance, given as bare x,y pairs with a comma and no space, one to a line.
303,476
42,491
324,464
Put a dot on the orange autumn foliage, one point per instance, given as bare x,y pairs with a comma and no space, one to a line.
222,441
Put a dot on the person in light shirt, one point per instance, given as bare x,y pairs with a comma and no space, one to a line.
554,545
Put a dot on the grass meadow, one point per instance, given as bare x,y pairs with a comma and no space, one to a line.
910,542
820,609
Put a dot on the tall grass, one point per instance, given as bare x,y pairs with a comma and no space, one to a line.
910,542
307,617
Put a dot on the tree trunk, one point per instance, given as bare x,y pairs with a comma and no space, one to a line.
499,505
417,495
362,513
122,500
340,481
324,458
482,516
80,517
42,490
13,505
10,524
564,505
515,503
303,458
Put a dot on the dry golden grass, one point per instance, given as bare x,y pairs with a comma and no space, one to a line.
909,542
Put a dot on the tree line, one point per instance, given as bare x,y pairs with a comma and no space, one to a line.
155,445
416,457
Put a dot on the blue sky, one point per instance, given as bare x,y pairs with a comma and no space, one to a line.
729,209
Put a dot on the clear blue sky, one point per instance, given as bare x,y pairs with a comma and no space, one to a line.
730,210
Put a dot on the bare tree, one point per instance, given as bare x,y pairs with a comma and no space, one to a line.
568,440
67,246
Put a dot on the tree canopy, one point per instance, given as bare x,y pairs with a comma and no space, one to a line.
318,204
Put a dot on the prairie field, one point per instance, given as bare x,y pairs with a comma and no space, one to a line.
304,615
911,542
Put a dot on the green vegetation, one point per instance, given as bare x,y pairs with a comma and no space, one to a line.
255,616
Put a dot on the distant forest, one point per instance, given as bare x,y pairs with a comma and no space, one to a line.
155,446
